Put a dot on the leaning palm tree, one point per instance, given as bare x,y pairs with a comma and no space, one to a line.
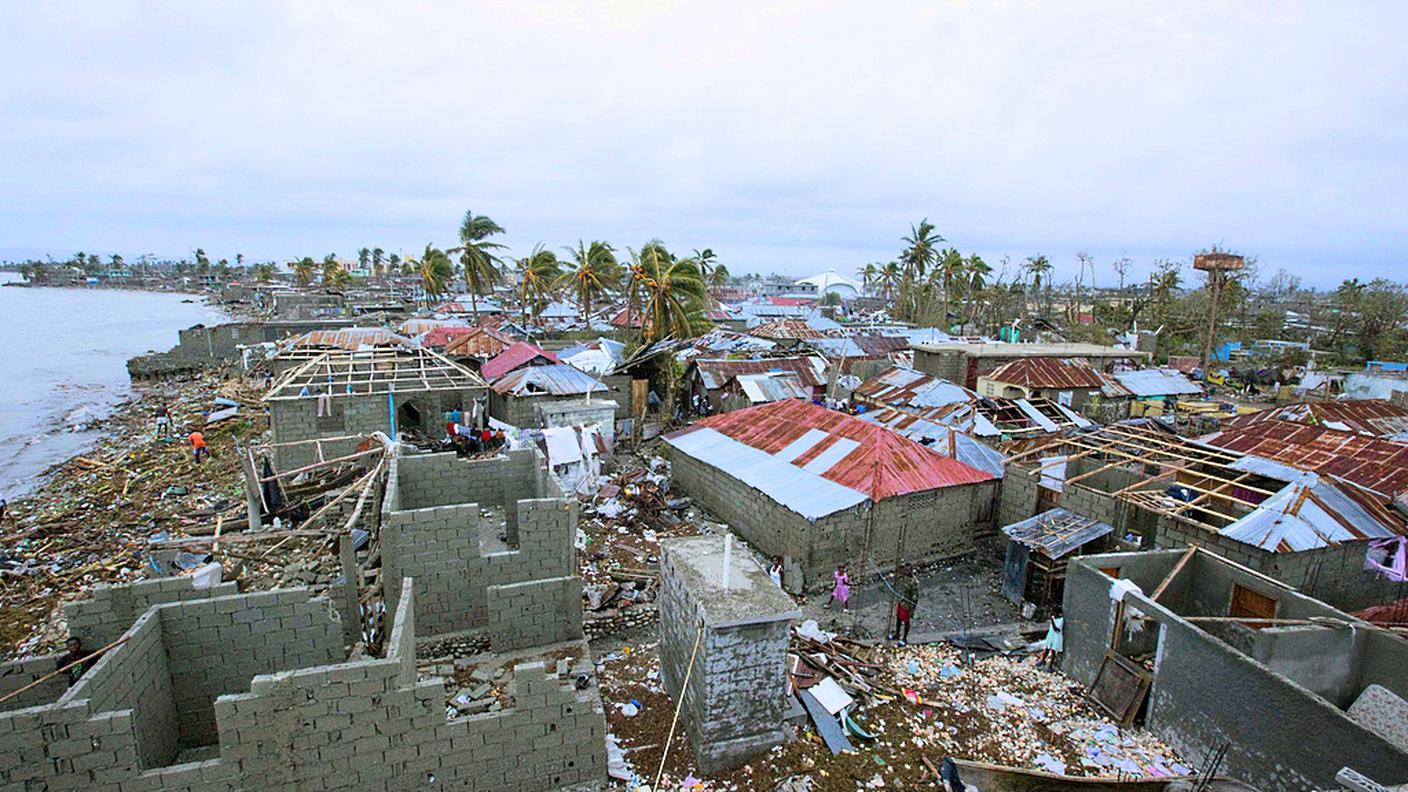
378,263
538,273
477,256
950,271
975,274
869,275
435,271
303,270
889,279
594,271
675,298
653,257
1040,268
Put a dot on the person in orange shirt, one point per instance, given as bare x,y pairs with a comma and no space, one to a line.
198,445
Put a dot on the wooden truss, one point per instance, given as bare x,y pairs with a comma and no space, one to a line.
341,373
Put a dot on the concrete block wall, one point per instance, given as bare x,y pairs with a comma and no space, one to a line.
535,613
136,677
734,701
1019,495
110,610
369,725
362,725
1263,714
438,545
922,526
250,634
297,419
18,674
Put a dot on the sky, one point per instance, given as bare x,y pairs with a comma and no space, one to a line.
788,137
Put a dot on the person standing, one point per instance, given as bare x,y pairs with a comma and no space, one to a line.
1055,642
775,570
198,448
163,421
841,592
905,602
4,505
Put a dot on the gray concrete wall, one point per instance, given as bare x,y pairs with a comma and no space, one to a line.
249,634
17,674
1333,575
1283,735
734,703
920,526
297,419
362,725
109,610
438,546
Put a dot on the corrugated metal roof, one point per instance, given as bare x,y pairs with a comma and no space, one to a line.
810,370
443,335
786,329
940,438
1157,382
1056,532
762,388
881,464
349,338
417,326
519,354
479,342
805,493
1308,514
910,388
1041,372
557,379
1374,417
1377,465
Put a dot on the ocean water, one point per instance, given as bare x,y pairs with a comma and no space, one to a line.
63,363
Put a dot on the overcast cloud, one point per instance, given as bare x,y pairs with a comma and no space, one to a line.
789,138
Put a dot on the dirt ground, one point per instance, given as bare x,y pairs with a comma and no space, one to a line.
964,593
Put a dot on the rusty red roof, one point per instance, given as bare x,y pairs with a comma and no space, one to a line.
479,342
784,329
843,449
520,354
1376,417
1039,372
810,369
1374,464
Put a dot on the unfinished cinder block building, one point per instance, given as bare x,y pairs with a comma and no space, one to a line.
735,699
256,692
523,586
824,488
1208,653
339,395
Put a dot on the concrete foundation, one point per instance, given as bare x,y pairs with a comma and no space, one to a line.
734,701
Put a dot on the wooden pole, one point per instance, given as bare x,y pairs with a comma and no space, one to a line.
1173,573
58,671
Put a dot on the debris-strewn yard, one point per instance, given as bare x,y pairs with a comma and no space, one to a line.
925,704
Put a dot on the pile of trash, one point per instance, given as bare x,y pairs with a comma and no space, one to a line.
618,542
92,520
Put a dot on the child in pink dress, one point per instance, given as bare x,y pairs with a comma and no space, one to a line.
842,591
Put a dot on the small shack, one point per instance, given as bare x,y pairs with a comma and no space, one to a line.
1038,549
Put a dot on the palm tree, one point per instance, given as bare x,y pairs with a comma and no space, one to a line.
538,272
222,271
889,278
303,270
202,262
869,274
594,270
393,262
1348,297
116,261
477,256
330,269
378,259
1040,267
239,260
675,297
919,254
435,270
263,273
950,270
364,258
652,257
976,272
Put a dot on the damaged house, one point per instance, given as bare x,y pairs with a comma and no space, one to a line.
822,488
707,380
1215,657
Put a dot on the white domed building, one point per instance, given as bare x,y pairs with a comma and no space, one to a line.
834,282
